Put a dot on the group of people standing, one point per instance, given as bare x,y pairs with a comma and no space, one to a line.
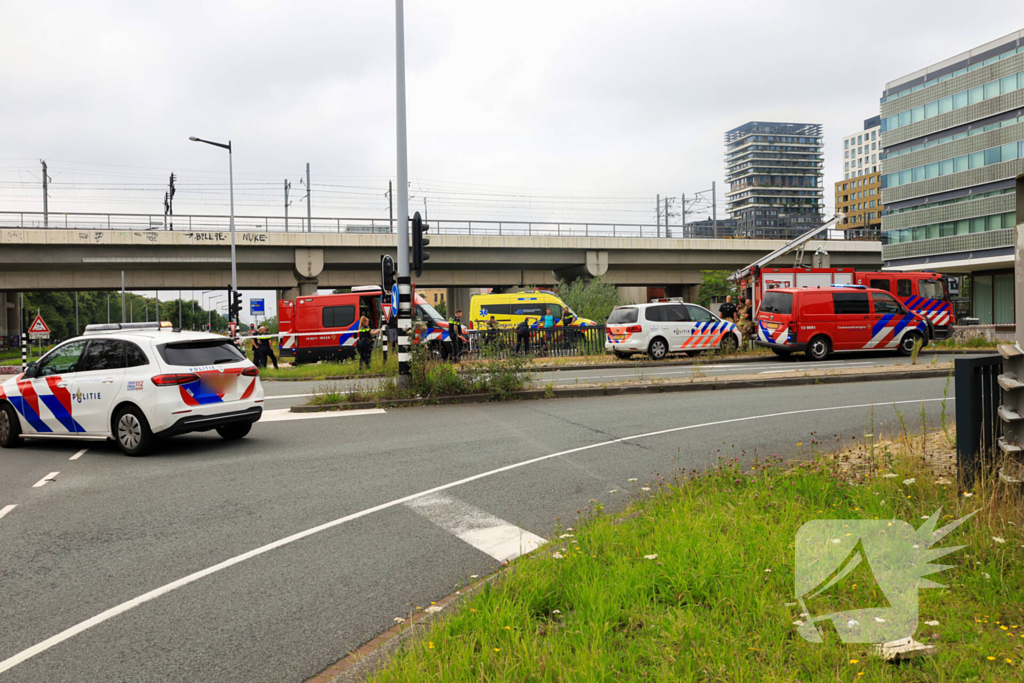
742,316
262,350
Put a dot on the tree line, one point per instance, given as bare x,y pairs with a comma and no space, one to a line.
58,311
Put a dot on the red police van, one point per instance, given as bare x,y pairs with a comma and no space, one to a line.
822,320
325,326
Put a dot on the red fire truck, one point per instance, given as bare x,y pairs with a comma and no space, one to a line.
926,293
325,326
923,292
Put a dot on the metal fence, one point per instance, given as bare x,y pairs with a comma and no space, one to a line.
362,226
977,422
557,341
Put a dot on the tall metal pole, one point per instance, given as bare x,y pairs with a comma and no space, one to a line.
657,216
231,195
404,280
76,312
714,209
309,202
179,309
391,208
287,186
108,308
122,296
46,196
22,332
682,212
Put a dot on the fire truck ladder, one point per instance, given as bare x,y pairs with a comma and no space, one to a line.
798,244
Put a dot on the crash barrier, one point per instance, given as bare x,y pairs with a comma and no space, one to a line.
977,422
555,341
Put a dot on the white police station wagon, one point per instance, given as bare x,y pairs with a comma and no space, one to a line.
133,382
667,326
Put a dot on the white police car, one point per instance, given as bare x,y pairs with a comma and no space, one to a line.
133,382
667,326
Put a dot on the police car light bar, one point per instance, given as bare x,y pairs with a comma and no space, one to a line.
98,328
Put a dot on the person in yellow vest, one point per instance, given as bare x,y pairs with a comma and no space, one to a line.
364,342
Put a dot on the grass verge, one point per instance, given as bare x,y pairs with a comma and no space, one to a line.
694,582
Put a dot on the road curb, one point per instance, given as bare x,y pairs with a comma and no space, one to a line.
624,365
634,389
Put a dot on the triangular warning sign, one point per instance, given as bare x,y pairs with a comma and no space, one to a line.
39,326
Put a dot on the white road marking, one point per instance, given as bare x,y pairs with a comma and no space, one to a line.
704,368
272,398
483,531
285,414
45,645
49,477
79,454
7,508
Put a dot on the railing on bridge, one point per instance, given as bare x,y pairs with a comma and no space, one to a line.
217,223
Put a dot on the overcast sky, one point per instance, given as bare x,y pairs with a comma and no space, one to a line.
508,102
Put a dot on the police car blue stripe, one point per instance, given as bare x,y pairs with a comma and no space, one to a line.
60,412
23,407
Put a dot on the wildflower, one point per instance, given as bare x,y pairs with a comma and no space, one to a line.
472,610
798,622
566,536
768,571
837,540
799,443
890,475
908,482
967,494
990,658
497,649
508,628
997,539
474,576
852,622
556,611
1004,628
932,623
633,479
399,620
613,491
854,661
557,555
880,620
650,557
987,577
645,488
1009,661
430,645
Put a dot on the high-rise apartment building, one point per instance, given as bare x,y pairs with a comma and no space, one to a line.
774,171
859,193
953,143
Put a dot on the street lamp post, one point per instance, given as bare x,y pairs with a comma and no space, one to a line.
231,195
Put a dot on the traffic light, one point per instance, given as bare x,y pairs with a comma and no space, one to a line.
419,228
234,304
387,273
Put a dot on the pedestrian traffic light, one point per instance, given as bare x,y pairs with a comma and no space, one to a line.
419,228
234,304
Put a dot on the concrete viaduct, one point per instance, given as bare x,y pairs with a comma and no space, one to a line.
299,263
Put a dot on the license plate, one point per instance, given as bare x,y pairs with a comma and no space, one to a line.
218,383
771,326
617,337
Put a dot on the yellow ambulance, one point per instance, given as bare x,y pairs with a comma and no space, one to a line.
511,309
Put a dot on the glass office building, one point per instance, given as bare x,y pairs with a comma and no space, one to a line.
953,143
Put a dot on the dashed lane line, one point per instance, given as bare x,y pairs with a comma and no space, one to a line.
7,508
100,618
79,454
284,414
52,476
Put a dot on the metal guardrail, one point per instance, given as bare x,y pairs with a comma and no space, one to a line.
977,424
217,223
555,341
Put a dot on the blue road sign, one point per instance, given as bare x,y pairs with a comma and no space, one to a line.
255,306
394,299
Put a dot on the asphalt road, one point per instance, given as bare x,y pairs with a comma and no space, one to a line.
287,393
108,529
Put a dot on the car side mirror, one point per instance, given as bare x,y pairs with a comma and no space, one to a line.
32,370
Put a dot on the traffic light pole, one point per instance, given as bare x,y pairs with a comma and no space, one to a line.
404,280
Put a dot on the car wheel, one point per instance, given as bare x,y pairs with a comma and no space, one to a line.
907,343
818,349
234,431
132,432
622,356
728,344
782,353
10,427
658,349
